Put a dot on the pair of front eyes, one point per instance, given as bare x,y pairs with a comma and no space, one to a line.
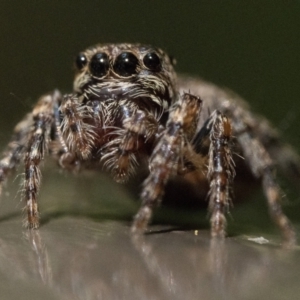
125,64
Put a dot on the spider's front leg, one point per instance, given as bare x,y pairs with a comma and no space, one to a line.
220,172
29,142
44,122
167,155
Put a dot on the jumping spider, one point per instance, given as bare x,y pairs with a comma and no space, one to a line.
128,107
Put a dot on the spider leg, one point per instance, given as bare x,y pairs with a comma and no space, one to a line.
43,117
15,149
120,153
166,156
18,144
281,153
262,166
220,172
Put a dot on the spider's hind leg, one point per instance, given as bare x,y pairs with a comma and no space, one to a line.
15,149
262,166
281,153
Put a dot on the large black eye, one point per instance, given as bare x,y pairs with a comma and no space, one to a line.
99,64
126,64
80,61
152,61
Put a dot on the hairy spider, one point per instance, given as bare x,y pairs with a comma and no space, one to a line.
129,107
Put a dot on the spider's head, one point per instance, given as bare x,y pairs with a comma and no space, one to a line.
132,72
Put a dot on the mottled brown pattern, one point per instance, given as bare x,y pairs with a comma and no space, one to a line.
128,106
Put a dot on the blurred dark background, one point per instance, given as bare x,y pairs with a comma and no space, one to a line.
251,47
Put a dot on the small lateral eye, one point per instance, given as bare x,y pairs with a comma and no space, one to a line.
99,64
152,62
80,61
126,64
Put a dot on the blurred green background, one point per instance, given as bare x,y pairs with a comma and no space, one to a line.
251,47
